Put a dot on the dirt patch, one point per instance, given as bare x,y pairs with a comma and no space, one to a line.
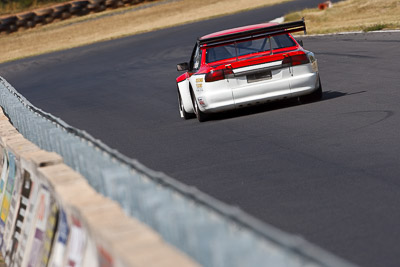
114,24
351,15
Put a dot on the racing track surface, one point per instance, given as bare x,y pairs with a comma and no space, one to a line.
328,171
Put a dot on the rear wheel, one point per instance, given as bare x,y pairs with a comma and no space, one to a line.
199,114
314,96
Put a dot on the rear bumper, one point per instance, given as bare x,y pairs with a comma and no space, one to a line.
304,84
299,85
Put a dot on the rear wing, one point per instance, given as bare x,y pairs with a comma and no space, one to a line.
290,27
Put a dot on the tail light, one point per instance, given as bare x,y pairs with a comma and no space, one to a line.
296,60
217,75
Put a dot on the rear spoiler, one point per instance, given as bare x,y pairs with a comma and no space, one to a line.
289,27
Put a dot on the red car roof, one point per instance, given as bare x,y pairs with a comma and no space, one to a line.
239,29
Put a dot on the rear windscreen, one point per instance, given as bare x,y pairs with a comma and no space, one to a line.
243,48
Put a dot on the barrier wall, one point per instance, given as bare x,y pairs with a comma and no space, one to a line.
62,11
51,216
208,231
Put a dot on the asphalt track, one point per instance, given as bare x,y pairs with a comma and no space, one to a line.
328,171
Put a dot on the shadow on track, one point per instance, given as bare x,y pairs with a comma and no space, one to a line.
288,103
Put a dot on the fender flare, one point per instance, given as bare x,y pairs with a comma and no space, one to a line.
184,92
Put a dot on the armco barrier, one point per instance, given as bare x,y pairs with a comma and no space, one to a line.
50,216
210,232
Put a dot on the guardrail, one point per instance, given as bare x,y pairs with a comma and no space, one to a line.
29,19
210,232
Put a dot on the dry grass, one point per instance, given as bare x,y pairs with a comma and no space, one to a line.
110,25
351,15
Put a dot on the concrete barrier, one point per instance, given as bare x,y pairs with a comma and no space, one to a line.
51,216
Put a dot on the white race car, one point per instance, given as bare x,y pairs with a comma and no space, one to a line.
246,66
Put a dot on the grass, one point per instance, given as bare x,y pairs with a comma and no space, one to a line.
376,27
351,15
118,23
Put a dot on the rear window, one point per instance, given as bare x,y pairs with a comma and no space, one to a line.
243,48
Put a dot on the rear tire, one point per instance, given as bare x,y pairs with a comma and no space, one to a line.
201,117
314,96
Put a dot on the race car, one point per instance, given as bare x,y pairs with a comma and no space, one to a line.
247,66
